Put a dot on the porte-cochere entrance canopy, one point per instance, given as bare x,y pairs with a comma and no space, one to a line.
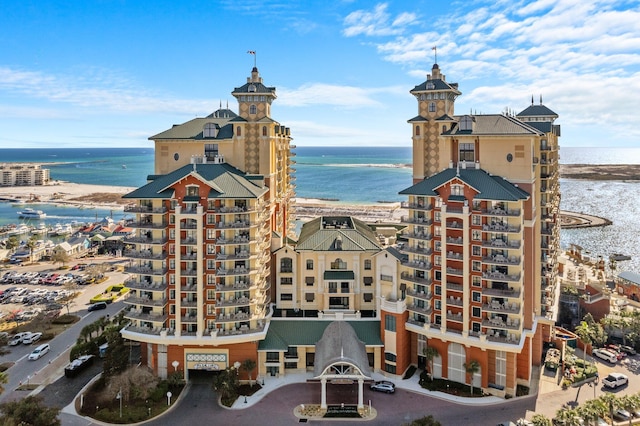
341,358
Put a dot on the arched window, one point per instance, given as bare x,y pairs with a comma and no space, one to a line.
239,131
253,109
286,264
432,107
417,130
264,130
339,264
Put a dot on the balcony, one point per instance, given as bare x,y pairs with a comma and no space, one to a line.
240,301
499,259
454,317
455,287
501,337
145,270
188,303
499,276
146,301
134,284
235,240
146,240
455,301
419,294
501,212
501,228
139,314
416,206
499,323
455,271
457,241
454,256
454,224
416,279
189,319
506,307
510,293
417,249
235,225
144,209
422,310
144,254
189,272
189,241
147,224
417,264
416,220
235,287
498,242
418,236
189,287
239,316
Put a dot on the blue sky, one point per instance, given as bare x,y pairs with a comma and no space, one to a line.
112,73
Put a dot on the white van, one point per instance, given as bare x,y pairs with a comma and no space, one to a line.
39,352
605,355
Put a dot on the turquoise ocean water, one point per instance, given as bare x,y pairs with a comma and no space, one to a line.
357,175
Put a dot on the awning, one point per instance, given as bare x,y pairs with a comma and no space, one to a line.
309,297
339,275
310,280
368,280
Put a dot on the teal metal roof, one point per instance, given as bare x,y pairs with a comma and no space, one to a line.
301,332
224,180
339,275
630,276
337,233
495,124
488,187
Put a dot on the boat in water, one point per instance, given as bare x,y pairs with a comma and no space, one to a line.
30,213
41,229
619,257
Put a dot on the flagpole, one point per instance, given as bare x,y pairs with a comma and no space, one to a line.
253,52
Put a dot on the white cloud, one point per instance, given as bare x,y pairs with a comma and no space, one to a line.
377,22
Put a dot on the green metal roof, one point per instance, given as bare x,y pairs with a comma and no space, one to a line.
339,275
301,332
337,233
224,180
494,124
488,187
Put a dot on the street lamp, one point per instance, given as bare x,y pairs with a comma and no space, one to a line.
169,395
175,366
119,397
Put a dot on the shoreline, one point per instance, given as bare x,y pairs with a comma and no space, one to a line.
110,197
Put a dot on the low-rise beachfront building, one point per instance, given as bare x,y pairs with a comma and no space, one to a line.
206,222
23,174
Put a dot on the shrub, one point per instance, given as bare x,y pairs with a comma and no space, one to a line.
65,319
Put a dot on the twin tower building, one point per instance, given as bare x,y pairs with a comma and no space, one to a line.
218,274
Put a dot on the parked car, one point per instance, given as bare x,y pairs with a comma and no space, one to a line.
39,352
613,380
383,386
78,365
606,355
616,350
17,338
97,306
32,338
628,349
620,414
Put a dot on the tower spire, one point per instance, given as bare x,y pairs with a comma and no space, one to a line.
435,54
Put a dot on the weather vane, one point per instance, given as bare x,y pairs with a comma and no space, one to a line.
435,54
253,52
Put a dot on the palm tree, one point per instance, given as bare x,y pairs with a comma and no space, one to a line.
567,417
541,420
430,353
248,365
629,403
471,367
584,333
3,381
31,244
610,401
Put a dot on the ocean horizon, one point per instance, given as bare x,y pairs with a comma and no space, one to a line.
360,175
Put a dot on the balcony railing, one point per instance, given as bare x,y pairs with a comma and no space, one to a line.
510,293
146,240
499,276
147,224
131,208
144,254
501,228
145,301
502,324
502,260
419,294
138,314
416,279
419,309
417,249
144,285
499,242
418,236
416,206
506,307
501,212
143,270
417,264
416,220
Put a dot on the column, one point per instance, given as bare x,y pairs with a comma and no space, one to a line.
323,395
360,394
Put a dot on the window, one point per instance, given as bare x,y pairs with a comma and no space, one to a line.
192,190
286,265
390,368
438,290
388,356
286,296
476,266
477,204
264,130
367,281
477,281
172,294
476,235
417,130
286,280
438,304
211,264
437,245
309,297
309,280
457,190
210,150
211,295
501,368
367,264
432,107
338,264
476,296
476,220
388,278
475,326
436,216
466,151
475,312
239,131
253,109
476,250
438,275
368,297
309,265
437,260
211,249
390,323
